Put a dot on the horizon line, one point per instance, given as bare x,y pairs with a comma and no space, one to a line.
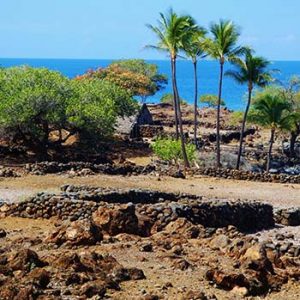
149,59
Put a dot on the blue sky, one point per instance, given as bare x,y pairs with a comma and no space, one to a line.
116,28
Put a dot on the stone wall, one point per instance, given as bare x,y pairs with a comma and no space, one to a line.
159,209
247,175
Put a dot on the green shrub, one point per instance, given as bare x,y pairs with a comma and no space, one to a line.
168,98
170,150
35,102
211,100
236,118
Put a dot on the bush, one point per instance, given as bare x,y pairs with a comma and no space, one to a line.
135,76
211,100
169,98
32,102
236,118
170,150
36,102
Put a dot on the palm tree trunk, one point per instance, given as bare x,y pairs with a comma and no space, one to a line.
218,162
174,99
185,158
243,129
195,103
292,144
270,149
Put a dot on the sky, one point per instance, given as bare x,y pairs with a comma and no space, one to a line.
115,29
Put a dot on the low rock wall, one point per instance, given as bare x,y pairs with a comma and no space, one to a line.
247,175
77,205
288,217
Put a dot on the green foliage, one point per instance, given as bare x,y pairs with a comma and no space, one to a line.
140,66
32,100
236,118
251,70
169,98
272,111
135,76
211,100
35,102
173,32
222,45
170,150
92,108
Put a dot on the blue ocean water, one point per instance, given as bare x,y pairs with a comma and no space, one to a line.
233,94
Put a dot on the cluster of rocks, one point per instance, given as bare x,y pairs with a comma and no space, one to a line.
259,268
157,209
150,131
63,275
247,175
288,216
82,168
229,136
8,172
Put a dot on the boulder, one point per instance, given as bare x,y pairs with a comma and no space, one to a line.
25,260
118,219
77,233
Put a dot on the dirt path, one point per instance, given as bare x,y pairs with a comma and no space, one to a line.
280,195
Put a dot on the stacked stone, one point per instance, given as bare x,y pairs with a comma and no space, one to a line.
8,172
122,195
246,216
288,217
45,205
150,131
75,203
247,175
110,169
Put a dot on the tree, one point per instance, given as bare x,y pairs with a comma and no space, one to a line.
95,105
273,112
172,33
251,70
194,49
150,71
34,103
135,84
211,100
222,46
291,91
169,98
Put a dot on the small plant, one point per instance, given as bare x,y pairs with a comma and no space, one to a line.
170,150
236,118
211,100
169,98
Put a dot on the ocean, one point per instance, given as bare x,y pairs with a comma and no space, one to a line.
208,73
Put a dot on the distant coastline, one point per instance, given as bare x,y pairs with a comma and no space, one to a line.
233,94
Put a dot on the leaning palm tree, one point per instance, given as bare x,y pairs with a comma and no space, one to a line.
172,33
273,112
222,46
195,49
252,70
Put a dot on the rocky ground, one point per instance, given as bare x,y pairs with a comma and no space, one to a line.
138,251
98,230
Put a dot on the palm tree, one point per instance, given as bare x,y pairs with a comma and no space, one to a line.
273,112
251,71
222,46
291,91
172,32
194,50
